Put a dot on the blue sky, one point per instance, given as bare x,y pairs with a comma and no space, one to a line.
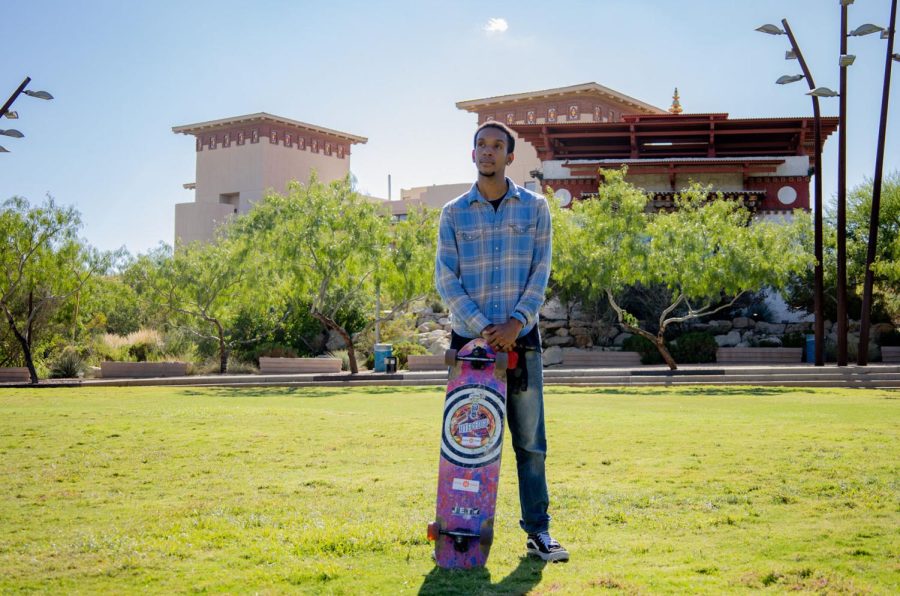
124,72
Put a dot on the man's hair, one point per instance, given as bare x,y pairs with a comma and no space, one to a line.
510,139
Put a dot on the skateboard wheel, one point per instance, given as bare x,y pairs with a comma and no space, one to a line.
450,357
501,361
487,533
434,530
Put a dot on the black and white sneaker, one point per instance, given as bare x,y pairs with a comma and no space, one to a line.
543,546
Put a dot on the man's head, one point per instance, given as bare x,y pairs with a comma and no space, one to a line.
494,146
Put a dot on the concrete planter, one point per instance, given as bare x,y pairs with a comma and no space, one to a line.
14,374
142,370
890,354
428,362
759,355
287,366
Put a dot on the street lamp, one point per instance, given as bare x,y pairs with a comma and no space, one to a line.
5,111
862,356
815,92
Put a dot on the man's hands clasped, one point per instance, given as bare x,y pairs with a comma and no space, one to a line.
502,338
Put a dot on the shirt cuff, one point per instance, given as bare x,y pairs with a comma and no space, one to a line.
519,317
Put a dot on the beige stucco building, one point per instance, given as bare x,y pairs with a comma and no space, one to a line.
239,159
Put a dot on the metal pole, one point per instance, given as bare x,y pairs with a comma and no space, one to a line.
842,206
12,98
818,291
866,315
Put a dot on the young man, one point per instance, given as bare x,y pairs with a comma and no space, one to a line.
493,264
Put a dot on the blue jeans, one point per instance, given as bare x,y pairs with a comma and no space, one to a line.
525,420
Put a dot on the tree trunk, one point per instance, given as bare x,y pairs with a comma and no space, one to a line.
332,324
26,349
660,343
223,351
657,340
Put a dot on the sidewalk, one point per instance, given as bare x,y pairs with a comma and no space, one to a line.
800,375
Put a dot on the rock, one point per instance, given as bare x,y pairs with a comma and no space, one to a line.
553,310
552,324
770,328
562,332
742,322
444,321
583,341
620,339
335,341
731,339
439,346
720,326
427,327
427,310
559,341
695,326
828,325
553,355
769,341
879,329
578,313
799,328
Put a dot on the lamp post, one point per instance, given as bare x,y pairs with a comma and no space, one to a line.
5,110
862,357
815,93
841,283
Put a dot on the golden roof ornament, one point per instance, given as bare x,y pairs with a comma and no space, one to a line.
676,105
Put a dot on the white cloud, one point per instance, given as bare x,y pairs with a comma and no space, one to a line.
496,25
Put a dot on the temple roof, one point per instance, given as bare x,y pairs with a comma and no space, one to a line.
587,89
193,129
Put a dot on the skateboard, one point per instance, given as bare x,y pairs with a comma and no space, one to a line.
471,445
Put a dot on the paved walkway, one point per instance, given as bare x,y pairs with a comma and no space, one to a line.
799,375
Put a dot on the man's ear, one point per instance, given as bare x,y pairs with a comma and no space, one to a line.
473,156
510,157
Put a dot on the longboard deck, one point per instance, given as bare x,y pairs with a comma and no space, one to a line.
469,470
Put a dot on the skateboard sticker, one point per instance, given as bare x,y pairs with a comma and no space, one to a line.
473,426
470,486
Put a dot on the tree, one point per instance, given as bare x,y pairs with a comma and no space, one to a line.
706,253
43,264
330,248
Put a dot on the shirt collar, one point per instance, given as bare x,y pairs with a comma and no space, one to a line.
511,191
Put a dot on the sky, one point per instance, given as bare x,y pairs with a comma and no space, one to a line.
123,73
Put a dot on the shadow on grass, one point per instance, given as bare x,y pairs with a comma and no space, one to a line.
478,581
300,392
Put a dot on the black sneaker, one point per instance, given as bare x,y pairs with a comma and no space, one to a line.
543,546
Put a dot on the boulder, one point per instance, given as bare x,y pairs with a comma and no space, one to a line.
553,310
583,341
729,340
743,322
562,332
770,328
620,339
444,321
552,324
553,355
439,346
559,341
720,326
335,341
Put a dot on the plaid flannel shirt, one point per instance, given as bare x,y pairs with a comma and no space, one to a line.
491,265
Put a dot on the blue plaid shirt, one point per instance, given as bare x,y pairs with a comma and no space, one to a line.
493,265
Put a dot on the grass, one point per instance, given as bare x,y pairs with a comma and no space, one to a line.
705,490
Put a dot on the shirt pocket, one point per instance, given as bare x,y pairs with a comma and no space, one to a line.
522,238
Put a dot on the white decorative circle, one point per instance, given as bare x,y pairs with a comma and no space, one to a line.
478,440
564,197
787,195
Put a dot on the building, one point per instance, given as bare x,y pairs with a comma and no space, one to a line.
239,159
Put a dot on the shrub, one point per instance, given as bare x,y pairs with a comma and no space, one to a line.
404,349
891,338
694,347
644,347
794,340
344,356
67,365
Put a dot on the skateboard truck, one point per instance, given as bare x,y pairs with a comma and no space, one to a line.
460,538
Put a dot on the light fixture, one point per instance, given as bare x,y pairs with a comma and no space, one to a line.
823,92
866,29
38,94
770,29
785,79
3,149
846,2
11,114
846,60
12,132
790,55
896,57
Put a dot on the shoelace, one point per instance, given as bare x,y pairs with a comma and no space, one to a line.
546,540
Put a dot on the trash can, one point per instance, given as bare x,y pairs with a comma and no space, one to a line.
390,364
811,348
382,351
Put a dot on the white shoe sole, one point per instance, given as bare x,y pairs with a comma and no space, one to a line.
551,557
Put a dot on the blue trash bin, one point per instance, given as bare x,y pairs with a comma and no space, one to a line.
382,351
810,348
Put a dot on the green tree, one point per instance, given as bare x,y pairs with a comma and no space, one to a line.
330,248
706,253
43,264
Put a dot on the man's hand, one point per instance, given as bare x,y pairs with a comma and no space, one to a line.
503,337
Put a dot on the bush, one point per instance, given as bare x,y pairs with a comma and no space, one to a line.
891,338
404,349
794,340
694,347
344,356
643,346
67,365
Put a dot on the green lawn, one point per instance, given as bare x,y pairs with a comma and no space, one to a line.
653,490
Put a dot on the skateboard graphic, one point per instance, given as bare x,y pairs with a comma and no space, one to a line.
471,444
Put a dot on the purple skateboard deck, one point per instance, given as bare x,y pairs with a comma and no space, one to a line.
471,445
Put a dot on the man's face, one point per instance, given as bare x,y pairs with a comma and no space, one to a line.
490,153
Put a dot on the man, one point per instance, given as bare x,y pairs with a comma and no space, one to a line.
492,268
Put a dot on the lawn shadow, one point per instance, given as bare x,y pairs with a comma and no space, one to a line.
300,392
522,580
688,390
